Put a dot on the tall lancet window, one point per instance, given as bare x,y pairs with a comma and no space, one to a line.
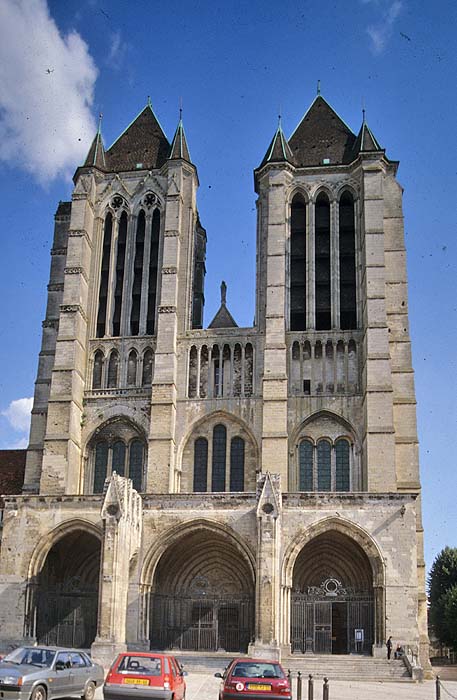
120,266
137,274
104,277
153,264
298,264
348,307
322,263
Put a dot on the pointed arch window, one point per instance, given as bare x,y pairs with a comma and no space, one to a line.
219,457
98,370
120,266
201,465
118,465
153,266
100,465
132,364
324,466
348,303
298,264
342,469
136,462
117,448
113,370
306,466
237,464
137,274
104,276
148,361
322,263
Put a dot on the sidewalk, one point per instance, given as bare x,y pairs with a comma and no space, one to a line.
206,687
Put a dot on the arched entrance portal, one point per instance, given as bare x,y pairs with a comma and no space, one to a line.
66,594
202,596
332,597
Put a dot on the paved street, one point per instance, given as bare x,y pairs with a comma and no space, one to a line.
205,687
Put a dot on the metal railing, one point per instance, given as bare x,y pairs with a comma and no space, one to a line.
439,687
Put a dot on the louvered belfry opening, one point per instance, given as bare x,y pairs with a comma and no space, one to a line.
137,274
348,300
298,264
104,276
322,264
127,296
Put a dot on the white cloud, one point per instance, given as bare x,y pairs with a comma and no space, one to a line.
117,52
46,91
18,414
381,32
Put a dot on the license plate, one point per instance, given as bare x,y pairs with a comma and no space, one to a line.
136,681
258,686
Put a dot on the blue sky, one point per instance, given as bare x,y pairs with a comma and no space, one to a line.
234,66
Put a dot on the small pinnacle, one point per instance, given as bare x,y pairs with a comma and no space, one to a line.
149,101
100,117
318,87
363,115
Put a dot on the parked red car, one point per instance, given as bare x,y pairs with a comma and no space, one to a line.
257,679
145,675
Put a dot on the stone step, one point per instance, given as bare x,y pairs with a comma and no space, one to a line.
349,667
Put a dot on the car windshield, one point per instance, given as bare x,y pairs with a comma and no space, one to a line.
144,665
257,670
33,656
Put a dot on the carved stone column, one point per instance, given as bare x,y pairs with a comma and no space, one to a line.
268,604
122,521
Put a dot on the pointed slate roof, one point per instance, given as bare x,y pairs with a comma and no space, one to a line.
143,144
279,150
223,318
179,148
366,141
96,155
321,135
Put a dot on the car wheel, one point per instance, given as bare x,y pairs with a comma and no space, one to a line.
89,692
38,693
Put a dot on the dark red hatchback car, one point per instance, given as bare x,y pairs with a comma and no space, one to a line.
145,675
256,679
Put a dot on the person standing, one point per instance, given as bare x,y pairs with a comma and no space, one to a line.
389,648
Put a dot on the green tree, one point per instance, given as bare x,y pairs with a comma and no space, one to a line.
442,588
450,617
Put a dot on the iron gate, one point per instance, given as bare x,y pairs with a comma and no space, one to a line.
324,622
66,620
201,624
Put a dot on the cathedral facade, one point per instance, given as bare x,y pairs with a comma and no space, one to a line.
223,488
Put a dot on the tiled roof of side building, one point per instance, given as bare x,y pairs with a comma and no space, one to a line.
322,137
12,469
142,145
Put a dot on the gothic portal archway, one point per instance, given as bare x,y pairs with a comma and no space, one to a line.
203,594
332,601
64,593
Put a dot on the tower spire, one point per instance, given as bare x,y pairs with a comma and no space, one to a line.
179,148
